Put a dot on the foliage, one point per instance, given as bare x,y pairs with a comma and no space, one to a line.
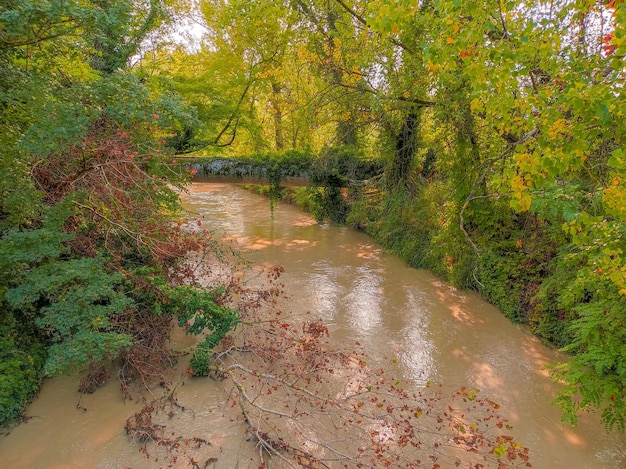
21,359
71,301
346,165
394,227
88,198
204,313
417,228
500,280
595,376
75,302
290,163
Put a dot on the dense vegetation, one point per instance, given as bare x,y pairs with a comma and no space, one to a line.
92,268
498,126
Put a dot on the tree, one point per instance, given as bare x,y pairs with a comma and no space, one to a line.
543,86
233,79
119,27
92,263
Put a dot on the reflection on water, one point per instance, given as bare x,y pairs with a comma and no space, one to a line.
418,358
319,290
402,317
364,301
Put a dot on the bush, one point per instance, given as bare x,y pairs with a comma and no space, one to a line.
500,275
21,362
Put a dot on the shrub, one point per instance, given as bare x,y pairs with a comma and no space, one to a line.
21,362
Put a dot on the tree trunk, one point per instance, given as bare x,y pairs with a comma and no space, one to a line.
399,174
278,117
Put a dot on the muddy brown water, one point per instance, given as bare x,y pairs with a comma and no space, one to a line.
437,333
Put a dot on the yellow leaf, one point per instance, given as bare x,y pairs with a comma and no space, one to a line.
476,105
449,40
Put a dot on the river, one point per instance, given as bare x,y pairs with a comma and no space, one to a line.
437,333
